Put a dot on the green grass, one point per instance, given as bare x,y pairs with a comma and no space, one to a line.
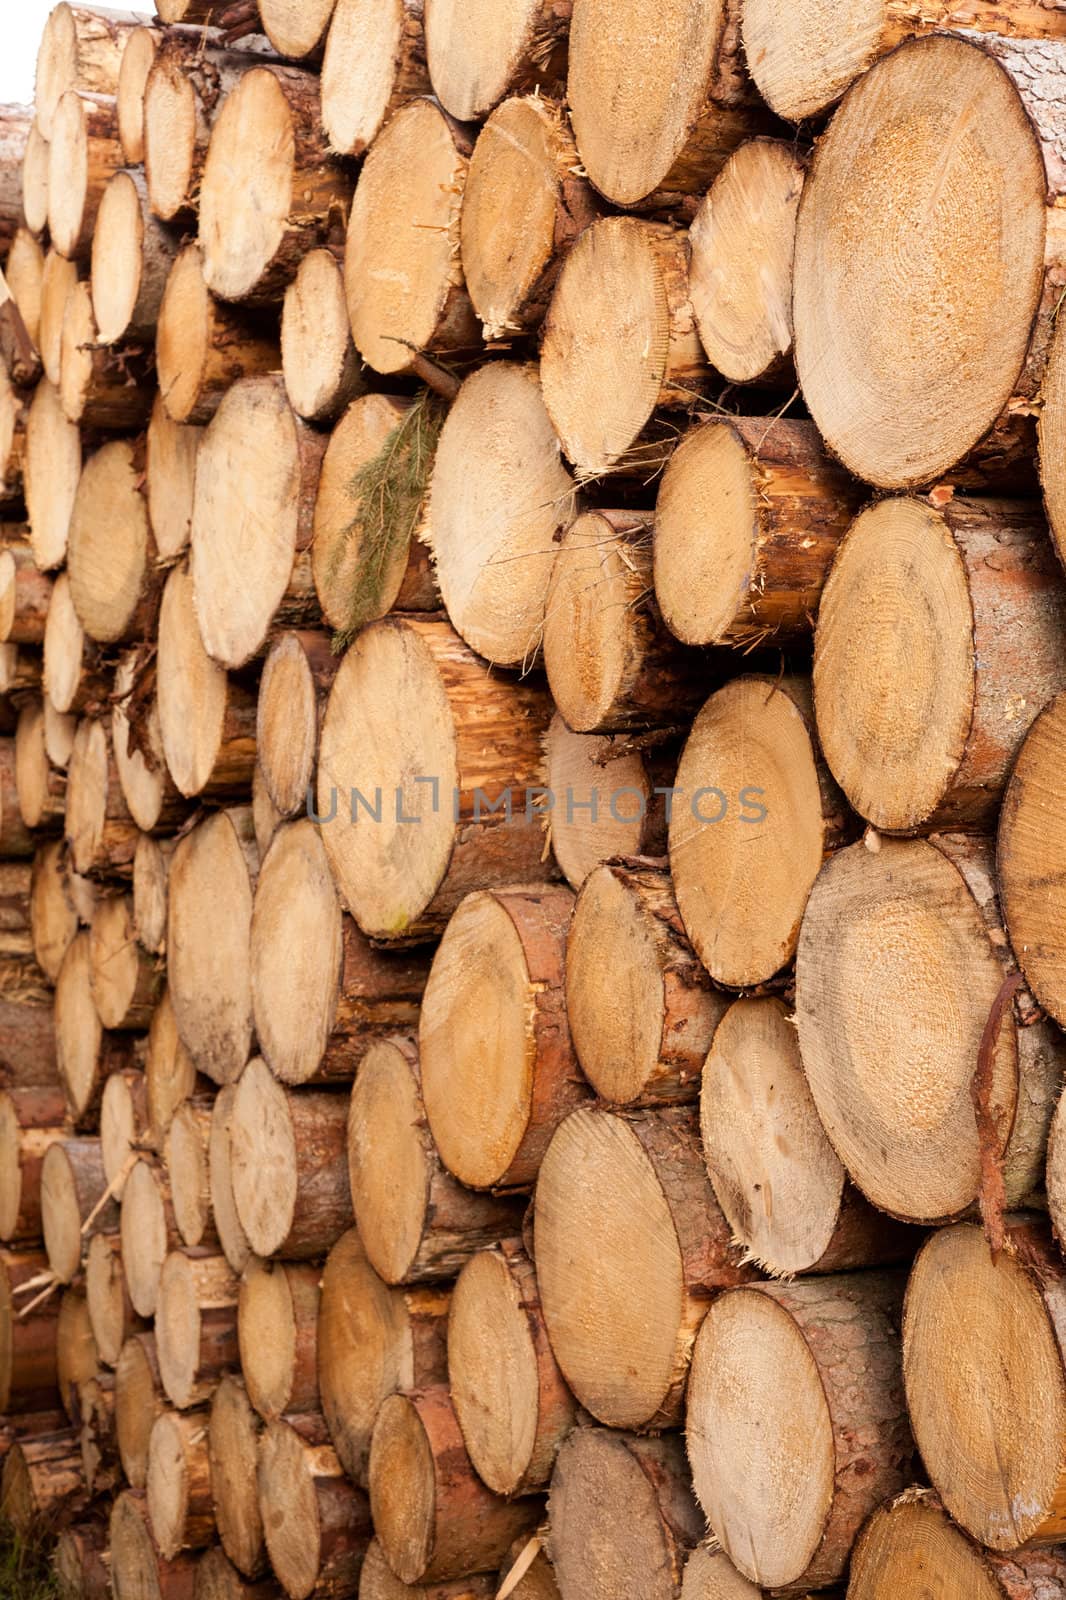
26,1571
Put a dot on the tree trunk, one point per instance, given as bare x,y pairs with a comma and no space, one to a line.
179,1483
138,1402
233,1445
111,1312
510,1398
124,981
81,48
403,276
323,374
28,1371
73,1206
316,1523
627,938
257,467
626,1356
439,698
170,466
608,796
612,352
149,1233
231,1234
186,1153
137,1568
83,153
195,1325
749,517
958,1102
278,1329
41,788
372,1342
290,1179
100,831
270,191
137,58
43,1481
293,690
375,62
25,593
206,719
621,1505
204,346
31,1120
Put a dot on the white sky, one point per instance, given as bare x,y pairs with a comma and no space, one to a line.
20,29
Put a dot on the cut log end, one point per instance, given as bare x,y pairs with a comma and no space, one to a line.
322,370
147,1234
233,1439
110,546
206,739
53,468
586,772
137,59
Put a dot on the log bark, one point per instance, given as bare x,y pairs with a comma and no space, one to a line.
316,1523
178,1490
28,1056
149,1233
16,887
621,1505
186,1154
132,255
267,199
626,1357
316,1016
16,839
31,1120
51,471
432,1514
29,1377
290,1180
405,219
257,467
43,1481
100,831
170,466
124,981
323,374
277,1326
373,65
293,690
628,280
137,1568
195,1325
422,664
83,153
233,1445
825,1350
750,515
73,1207
138,1402
81,48
25,593
1012,1298
111,1312
372,1342
627,938
137,58
205,346
511,1400
14,419
882,923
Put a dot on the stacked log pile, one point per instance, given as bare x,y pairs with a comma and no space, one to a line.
533,699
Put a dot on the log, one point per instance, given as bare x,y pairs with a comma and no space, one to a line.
619,341
186,1150
99,1460
416,1222
1030,846
218,1579
372,1342
824,1355
886,935
35,180
14,131
499,1072
204,346
27,1031
25,593
257,470
99,386
751,786
59,278
51,469
124,980
43,1481
619,1505
902,424
151,793
111,551
73,1207
266,818
206,719
233,1445
124,1125
14,418
56,892
83,152
321,994
498,443
510,1399
82,1561
656,115
137,58
16,934
170,1074
151,862
416,664
59,730
293,689
626,938
195,1325
28,1371
81,48
149,1233
212,875
138,1402
40,787
85,1054
365,565
100,831
608,797
76,1354
290,1178
375,62
315,1522
322,372
137,1568
433,1515
402,273
131,257
111,1312
377,1581
270,190
295,30
524,206
611,664
480,54
749,516
170,465
24,270
1000,1480
15,837
178,1490
231,1234
626,1358
742,242
775,1175
538,1578
76,678
31,1121
983,609
277,1326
